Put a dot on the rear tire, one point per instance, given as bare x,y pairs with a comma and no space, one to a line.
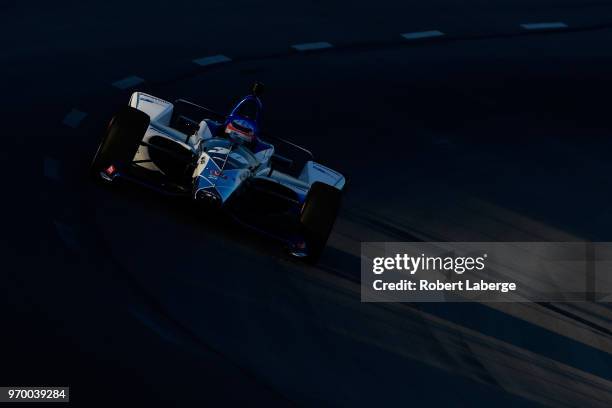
318,216
121,140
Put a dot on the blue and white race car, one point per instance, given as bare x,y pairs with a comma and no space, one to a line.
224,163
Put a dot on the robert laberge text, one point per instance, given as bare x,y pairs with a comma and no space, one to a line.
425,285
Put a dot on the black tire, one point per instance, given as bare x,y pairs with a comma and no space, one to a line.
318,216
121,140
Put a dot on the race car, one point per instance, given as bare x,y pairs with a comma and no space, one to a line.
224,163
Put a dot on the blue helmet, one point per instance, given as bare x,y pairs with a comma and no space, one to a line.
241,130
244,122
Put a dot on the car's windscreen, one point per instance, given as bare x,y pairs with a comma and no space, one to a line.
239,158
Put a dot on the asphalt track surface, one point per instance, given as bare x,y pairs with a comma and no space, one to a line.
489,133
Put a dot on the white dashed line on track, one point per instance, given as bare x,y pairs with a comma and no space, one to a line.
74,118
312,46
419,35
128,82
51,169
544,26
213,59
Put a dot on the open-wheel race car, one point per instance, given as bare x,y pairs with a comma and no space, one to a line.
224,163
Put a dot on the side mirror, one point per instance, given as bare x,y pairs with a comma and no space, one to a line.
258,89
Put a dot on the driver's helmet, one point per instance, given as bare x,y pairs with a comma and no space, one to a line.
240,130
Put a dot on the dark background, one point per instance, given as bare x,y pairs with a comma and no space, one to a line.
489,134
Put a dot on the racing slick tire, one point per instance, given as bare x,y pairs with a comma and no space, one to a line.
121,140
318,216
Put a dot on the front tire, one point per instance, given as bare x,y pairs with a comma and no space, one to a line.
121,140
318,216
